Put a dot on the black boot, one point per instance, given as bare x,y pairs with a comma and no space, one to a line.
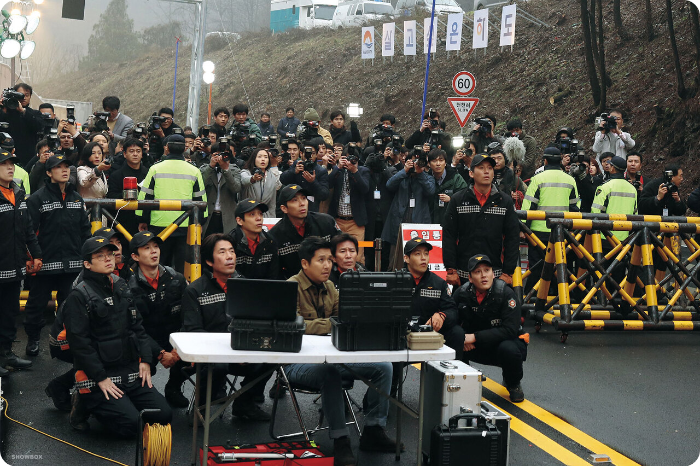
342,452
32,347
174,396
59,395
374,438
79,415
8,359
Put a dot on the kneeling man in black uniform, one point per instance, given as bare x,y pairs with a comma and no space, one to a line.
490,317
111,351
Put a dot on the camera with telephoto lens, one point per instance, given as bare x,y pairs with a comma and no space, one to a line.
154,122
607,122
308,164
100,121
376,163
53,140
70,114
222,148
485,125
271,139
566,145
414,326
240,135
309,130
433,117
668,182
353,153
138,132
419,157
6,141
435,139
48,122
577,168
11,99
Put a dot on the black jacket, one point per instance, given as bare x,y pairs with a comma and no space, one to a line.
115,190
378,209
204,305
650,205
287,239
359,187
496,319
264,264
17,235
319,189
160,308
105,334
344,136
430,295
470,229
586,190
62,227
24,128
335,273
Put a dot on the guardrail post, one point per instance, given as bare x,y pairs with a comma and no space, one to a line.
96,220
193,267
377,254
648,276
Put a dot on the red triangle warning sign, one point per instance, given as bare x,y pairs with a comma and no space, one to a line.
462,107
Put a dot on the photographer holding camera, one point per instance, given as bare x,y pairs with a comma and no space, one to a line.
260,179
222,181
221,118
241,119
160,128
338,131
202,145
287,126
447,183
431,133
482,134
24,123
133,167
661,196
610,137
72,142
312,177
382,167
118,124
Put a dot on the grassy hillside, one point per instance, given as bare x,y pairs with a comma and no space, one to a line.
322,69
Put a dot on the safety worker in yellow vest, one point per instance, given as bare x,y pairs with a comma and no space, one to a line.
171,178
552,190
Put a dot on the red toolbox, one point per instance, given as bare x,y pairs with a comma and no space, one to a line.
305,454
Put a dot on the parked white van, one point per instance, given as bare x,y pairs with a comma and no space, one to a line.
442,7
481,4
357,12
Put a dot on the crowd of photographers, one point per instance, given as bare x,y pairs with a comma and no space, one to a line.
323,182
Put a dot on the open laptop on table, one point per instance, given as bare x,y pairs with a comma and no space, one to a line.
261,299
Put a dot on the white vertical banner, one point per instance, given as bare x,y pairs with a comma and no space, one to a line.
508,25
426,35
409,37
388,36
454,31
368,42
481,29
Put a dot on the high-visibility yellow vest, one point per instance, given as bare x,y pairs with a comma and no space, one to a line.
616,196
552,191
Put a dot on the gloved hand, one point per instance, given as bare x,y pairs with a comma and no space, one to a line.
506,278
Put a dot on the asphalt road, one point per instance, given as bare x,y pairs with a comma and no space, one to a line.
633,392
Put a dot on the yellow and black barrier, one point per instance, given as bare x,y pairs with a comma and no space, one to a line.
658,292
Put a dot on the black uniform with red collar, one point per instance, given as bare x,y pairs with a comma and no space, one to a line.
430,296
495,323
264,263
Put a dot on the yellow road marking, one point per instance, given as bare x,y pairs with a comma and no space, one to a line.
560,425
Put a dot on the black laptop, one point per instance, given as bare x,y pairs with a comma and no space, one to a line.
261,299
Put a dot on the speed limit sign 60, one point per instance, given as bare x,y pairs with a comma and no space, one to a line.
463,83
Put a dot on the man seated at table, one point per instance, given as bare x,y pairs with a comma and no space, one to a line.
204,310
490,316
344,248
432,302
317,301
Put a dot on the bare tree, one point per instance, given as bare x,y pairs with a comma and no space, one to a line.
649,20
588,48
617,16
682,91
695,27
601,66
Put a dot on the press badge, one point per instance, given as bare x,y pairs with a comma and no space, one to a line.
441,203
377,195
412,202
665,213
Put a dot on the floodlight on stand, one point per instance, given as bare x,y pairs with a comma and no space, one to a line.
33,22
38,2
208,66
15,12
26,49
10,48
208,78
458,141
354,110
17,22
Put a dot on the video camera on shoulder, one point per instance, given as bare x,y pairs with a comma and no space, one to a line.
606,122
155,121
223,148
668,182
485,126
100,121
566,145
11,99
240,135
309,130
577,168
433,117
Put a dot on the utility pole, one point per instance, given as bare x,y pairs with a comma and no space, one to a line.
200,31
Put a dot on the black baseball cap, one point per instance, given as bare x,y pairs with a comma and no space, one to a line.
619,163
56,160
413,244
4,155
476,260
479,158
552,152
288,192
248,205
105,232
174,138
142,238
94,244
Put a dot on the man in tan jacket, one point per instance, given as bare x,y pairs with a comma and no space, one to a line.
317,301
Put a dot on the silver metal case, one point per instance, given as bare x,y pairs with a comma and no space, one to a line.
451,388
501,420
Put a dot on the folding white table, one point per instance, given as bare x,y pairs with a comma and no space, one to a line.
203,348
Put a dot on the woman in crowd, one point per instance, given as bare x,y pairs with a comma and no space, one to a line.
92,183
260,179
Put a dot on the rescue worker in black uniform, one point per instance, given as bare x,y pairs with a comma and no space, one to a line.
256,253
111,351
480,218
121,256
158,291
490,317
344,248
62,225
204,310
431,299
18,237
297,224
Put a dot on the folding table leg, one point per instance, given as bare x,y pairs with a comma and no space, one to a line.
399,395
195,410
421,399
207,414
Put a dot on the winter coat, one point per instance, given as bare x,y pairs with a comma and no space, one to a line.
18,236
345,136
451,185
650,205
359,187
264,191
421,188
91,185
227,186
319,188
316,304
204,305
264,264
287,125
